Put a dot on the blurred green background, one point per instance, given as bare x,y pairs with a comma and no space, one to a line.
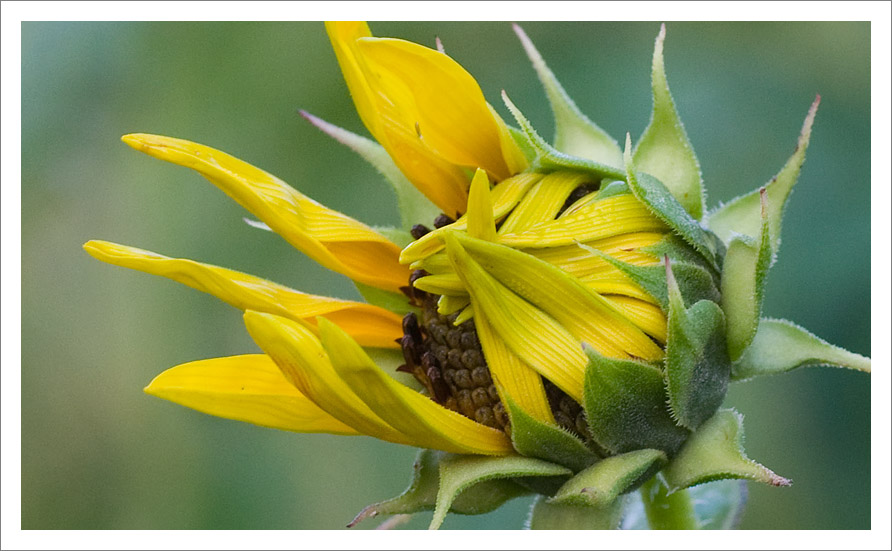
97,453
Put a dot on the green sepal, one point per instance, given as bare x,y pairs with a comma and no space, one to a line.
664,149
421,495
609,478
743,283
413,205
534,438
780,346
678,251
657,198
697,364
555,516
695,282
743,214
625,402
612,188
574,133
549,159
714,452
397,303
718,505
523,142
460,472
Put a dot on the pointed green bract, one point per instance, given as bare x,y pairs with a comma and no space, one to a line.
714,452
626,404
534,438
421,495
459,472
695,282
664,149
413,205
575,134
743,214
603,482
697,364
679,252
780,346
658,199
550,159
743,282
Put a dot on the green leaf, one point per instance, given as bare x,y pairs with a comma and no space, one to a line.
575,134
533,438
664,149
625,402
459,472
654,194
780,346
421,495
695,282
743,214
413,205
743,283
554,516
607,479
550,159
718,505
714,452
697,364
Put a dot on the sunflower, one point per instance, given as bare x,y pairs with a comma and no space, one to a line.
531,316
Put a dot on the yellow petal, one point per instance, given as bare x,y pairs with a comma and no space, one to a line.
531,334
606,218
511,376
393,126
543,202
582,312
450,304
431,90
505,197
443,284
580,262
647,316
423,420
246,388
368,324
480,215
332,239
303,361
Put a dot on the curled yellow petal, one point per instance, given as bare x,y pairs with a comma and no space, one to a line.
480,214
543,202
511,376
505,197
645,315
368,324
246,388
606,218
303,361
332,239
532,335
426,422
435,93
392,125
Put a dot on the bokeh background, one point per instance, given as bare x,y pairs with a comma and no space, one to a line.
97,453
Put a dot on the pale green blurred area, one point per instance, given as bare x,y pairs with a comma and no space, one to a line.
97,453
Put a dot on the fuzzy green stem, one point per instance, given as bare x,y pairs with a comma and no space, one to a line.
667,511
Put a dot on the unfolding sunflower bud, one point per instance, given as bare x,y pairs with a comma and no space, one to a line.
572,318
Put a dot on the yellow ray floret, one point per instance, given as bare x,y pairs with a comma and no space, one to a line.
436,93
303,361
332,239
426,422
505,197
368,324
532,335
581,311
480,210
511,376
543,202
606,218
444,183
246,388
